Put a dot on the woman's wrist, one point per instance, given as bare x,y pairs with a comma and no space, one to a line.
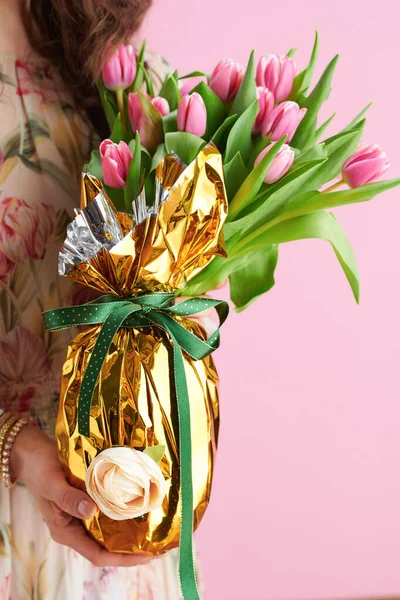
22,447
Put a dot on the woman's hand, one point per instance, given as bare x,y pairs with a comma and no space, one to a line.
61,498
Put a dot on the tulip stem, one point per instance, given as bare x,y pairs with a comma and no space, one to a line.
121,105
333,187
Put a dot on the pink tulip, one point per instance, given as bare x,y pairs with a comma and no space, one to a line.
266,103
365,166
283,120
119,72
277,74
143,123
161,104
115,161
135,111
280,165
187,85
192,115
226,78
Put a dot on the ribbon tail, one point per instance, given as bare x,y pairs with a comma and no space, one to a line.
187,574
111,325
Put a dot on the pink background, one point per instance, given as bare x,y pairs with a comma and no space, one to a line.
307,492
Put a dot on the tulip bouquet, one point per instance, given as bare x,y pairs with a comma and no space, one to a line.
280,174
198,182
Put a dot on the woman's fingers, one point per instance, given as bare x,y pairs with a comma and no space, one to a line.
69,499
69,531
74,536
52,514
61,499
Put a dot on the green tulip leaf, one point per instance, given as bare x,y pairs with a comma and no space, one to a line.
159,155
170,122
314,201
146,159
247,92
320,225
134,180
116,196
215,273
94,166
138,81
302,81
170,91
220,136
185,145
150,185
337,136
358,119
254,278
235,173
108,104
339,149
193,74
155,452
322,128
258,146
274,199
317,152
253,182
149,82
119,132
240,136
305,135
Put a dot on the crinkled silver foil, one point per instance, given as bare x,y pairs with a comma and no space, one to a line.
97,225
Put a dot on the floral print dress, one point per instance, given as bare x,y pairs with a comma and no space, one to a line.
44,142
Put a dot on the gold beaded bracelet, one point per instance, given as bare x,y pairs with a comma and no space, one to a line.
3,418
12,427
8,421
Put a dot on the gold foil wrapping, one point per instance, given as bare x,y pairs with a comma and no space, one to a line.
134,403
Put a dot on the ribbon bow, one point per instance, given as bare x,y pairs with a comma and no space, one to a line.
156,309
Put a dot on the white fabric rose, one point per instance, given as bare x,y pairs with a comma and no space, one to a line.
125,483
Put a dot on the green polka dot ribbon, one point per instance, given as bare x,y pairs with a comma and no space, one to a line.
157,309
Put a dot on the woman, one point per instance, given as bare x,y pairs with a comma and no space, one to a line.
50,56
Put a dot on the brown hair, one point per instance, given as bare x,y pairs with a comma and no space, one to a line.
77,35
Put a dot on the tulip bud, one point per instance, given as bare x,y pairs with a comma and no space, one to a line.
266,104
365,166
277,74
188,84
119,72
226,78
192,115
143,122
283,120
280,165
115,161
161,104
135,111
